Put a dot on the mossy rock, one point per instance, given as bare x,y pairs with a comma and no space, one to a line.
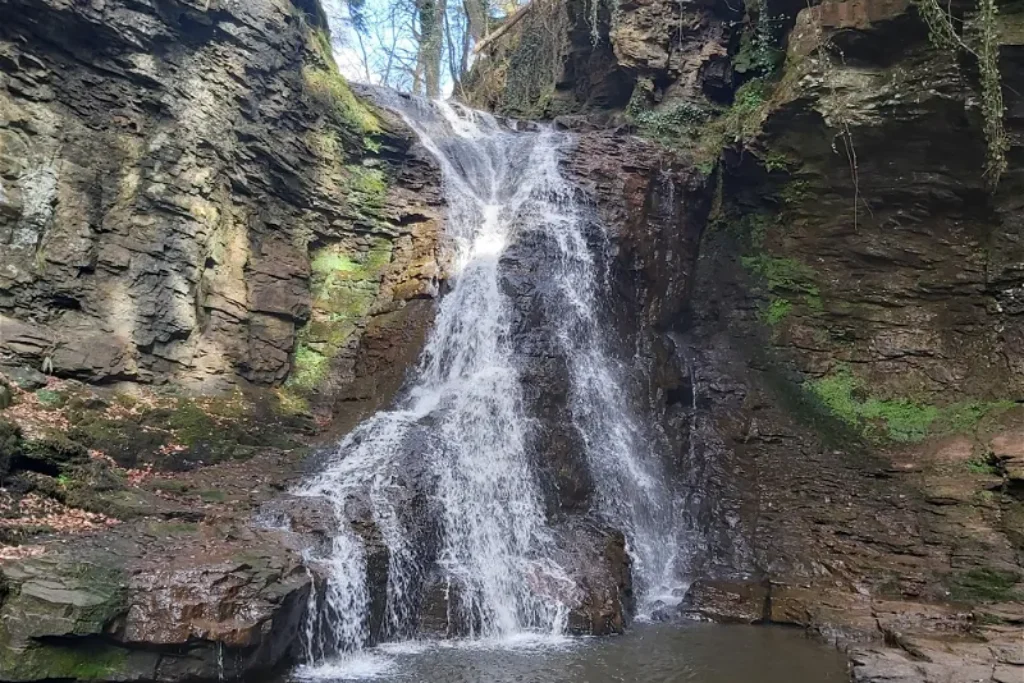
50,454
123,440
985,584
96,662
62,596
10,445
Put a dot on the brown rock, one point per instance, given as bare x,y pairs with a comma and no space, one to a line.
1008,449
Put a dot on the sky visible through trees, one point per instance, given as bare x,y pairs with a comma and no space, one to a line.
421,46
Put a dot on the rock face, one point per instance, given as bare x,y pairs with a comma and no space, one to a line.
189,193
834,357
132,607
209,239
581,56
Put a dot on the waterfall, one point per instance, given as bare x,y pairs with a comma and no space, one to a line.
459,434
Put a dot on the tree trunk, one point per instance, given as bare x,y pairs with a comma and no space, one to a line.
509,23
431,45
476,15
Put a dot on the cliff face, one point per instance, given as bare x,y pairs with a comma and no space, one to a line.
206,241
189,193
835,356
192,199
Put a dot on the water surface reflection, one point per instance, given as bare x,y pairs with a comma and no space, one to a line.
649,653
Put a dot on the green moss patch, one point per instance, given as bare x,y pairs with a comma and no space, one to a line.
50,399
985,585
176,434
702,129
330,94
96,662
904,420
897,419
366,189
345,284
778,309
785,278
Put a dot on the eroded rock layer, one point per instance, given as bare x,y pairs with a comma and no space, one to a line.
189,193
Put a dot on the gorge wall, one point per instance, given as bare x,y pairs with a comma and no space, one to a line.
215,257
218,258
212,253
835,354
179,180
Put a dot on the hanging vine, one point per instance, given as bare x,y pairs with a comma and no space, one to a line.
977,36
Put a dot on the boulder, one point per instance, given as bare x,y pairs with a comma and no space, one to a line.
109,608
24,377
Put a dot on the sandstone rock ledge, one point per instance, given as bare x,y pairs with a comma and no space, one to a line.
191,590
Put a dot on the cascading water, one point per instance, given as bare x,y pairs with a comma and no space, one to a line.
462,417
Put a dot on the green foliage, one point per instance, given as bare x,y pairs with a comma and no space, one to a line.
795,192
905,421
981,39
985,28
963,417
778,309
49,398
902,420
683,119
784,276
706,166
775,161
750,97
700,128
836,392
739,123
758,51
985,585
982,465
594,16
641,98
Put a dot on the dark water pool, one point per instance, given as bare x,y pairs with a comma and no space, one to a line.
649,653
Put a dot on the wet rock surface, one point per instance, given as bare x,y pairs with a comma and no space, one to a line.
833,356
197,594
211,256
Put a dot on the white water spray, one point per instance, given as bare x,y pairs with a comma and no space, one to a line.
462,418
